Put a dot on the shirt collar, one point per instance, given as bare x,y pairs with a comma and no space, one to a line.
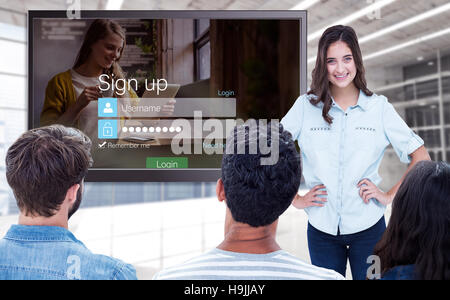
363,101
39,233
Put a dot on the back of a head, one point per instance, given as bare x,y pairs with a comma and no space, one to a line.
418,232
257,193
43,164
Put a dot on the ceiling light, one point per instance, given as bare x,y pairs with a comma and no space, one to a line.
407,44
400,46
304,5
399,25
362,12
405,23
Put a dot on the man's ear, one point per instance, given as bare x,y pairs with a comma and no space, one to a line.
71,194
220,191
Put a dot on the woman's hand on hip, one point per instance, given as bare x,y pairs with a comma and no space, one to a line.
311,198
368,190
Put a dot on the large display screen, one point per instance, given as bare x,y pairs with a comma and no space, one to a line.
158,91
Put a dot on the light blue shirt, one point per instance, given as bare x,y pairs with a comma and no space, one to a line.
343,153
51,252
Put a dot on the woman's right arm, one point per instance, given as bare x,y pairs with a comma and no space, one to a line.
58,109
293,122
71,115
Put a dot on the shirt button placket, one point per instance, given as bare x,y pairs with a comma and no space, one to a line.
341,157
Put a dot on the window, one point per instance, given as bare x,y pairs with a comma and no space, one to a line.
202,49
13,112
419,116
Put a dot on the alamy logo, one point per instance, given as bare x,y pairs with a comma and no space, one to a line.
376,12
74,269
374,271
74,9
212,130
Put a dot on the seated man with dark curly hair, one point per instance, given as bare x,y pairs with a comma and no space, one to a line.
256,193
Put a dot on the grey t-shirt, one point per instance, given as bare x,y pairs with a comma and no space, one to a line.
225,265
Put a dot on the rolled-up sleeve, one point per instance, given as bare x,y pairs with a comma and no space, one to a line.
402,138
293,120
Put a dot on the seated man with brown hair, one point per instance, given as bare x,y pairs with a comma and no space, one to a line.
45,168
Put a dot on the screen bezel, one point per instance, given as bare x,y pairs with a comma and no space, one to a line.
168,175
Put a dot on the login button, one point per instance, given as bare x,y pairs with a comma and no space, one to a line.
167,162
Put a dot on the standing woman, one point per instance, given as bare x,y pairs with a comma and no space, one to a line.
71,96
343,130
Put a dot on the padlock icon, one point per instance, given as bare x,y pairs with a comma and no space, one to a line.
107,130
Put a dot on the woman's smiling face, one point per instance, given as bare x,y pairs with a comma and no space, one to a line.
106,51
340,64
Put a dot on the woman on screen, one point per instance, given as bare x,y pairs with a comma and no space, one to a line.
71,96
343,129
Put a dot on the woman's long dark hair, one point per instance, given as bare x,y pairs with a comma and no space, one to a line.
98,30
320,85
419,226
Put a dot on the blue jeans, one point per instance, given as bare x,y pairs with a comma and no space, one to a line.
331,252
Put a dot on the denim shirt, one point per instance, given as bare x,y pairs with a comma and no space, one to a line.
342,154
51,252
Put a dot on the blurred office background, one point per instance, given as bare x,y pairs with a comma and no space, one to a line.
406,49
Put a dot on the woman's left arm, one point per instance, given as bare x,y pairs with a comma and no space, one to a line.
369,190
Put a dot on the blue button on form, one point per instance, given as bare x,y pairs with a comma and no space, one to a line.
107,107
107,129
